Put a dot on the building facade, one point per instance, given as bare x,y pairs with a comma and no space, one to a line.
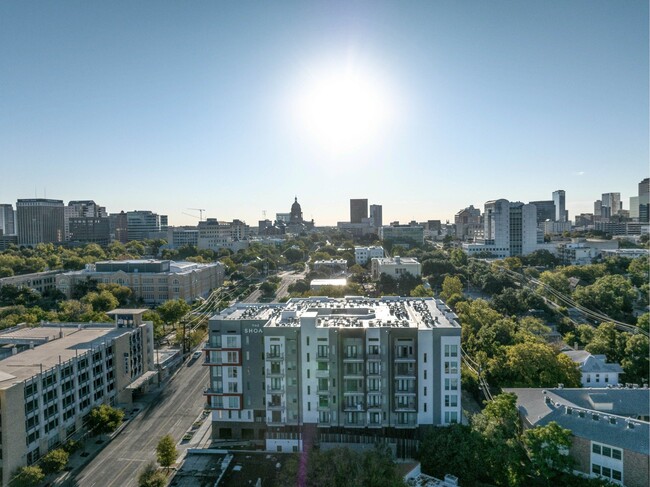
363,254
153,281
358,210
467,221
216,235
40,220
594,369
48,390
395,267
141,223
376,216
559,200
181,236
332,369
38,281
7,219
402,234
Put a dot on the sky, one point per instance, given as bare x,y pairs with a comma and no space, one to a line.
424,107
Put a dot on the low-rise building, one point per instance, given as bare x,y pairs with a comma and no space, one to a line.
153,281
610,429
38,281
363,254
595,370
402,234
332,266
395,267
216,235
318,284
333,371
581,251
65,370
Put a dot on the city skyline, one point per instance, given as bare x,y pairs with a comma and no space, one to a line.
163,107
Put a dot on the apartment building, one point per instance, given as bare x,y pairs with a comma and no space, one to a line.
316,370
65,370
363,254
153,281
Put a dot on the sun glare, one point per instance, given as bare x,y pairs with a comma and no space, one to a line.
343,110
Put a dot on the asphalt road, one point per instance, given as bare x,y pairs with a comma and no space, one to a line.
288,278
171,411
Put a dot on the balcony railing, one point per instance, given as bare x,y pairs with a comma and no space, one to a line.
406,391
275,406
274,356
278,389
210,390
351,408
322,358
272,373
404,358
322,374
353,358
373,356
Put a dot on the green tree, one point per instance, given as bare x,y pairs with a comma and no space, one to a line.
54,461
611,294
547,448
458,258
644,322
531,364
166,452
450,286
608,341
268,288
150,476
421,292
102,301
635,361
639,271
105,419
455,450
122,293
173,310
498,424
28,476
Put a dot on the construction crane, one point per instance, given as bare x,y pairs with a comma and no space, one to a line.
200,210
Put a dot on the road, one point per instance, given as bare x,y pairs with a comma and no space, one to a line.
171,411
288,278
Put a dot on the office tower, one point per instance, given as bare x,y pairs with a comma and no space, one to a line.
86,222
142,223
376,215
40,220
119,227
467,221
610,205
7,222
644,201
559,199
598,208
545,210
358,210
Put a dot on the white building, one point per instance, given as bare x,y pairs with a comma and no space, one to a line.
318,284
595,370
510,229
395,267
355,367
363,254
215,235
66,369
332,266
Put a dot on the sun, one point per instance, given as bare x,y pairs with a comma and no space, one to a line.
343,109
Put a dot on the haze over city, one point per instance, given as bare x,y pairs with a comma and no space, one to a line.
237,108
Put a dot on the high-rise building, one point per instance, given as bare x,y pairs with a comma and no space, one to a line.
141,223
376,216
119,227
356,367
644,201
40,220
7,221
467,221
559,199
86,222
358,210
545,210
510,229
610,205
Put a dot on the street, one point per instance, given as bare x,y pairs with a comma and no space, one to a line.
170,411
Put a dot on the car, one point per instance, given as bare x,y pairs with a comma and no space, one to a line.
196,354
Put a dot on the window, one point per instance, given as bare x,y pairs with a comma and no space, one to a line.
451,367
616,453
451,350
233,357
451,400
323,351
231,342
596,448
451,384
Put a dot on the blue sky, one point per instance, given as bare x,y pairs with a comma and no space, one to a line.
175,105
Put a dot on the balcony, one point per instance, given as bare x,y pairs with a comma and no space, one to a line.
358,357
355,423
279,389
275,406
373,356
409,423
353,374
405,391
351,408
405,374
274,373
322,358
406,408
274,356
212,361
322,374
208,391
322,390
404,358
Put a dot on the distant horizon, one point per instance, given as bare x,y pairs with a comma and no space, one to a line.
424,108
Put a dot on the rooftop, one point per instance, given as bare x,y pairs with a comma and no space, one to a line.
604,415
350,312
75,340
395,260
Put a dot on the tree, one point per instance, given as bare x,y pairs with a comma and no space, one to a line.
102,301
105,419
122,293
635,361
173,310
28,476
458,258
498,423
268,288
54,461
608,341
453,450
531,364
450,286
421,292
166,452
643,322
611,294
547,448
150,476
